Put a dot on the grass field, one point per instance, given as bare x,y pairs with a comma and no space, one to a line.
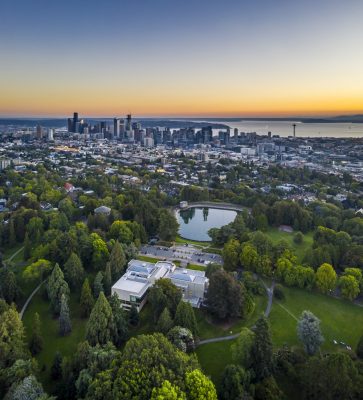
179,239
213,357
53,342
300,249
340,320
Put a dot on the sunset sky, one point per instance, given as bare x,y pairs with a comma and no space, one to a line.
181,57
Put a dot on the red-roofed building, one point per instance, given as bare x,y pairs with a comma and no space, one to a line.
69,188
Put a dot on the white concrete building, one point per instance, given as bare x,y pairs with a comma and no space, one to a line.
133,286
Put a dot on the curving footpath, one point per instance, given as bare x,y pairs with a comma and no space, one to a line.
29,299
270,294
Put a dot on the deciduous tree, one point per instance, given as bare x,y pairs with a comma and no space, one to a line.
308,331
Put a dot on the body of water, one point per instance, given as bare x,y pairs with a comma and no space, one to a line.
196,222
284,128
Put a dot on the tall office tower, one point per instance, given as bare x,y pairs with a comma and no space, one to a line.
122,128
236,133
103,127
128,122
75,122
39,132
116,128
50,134
70,125
294,129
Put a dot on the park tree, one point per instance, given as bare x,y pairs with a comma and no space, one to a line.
74,271
234,381
249,257
241,349
56,287
349,287
264,265
38,270
268,389
12,236
56,368
261,352
9,289
100,252
107,280
12,338
98,284
27,247
86,300
35,229
101,324
120,231
326,278
333,376
357,273
199,387
134,316
185,317
117,260
164,294
182,338
168,225
36,339
225,296
167,391
165,322
65,325
28,389
298,238
145,363
309,333
230,253
120,320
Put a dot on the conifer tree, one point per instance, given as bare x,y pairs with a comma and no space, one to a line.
12,237
262,350
101,325
36,340
134,316
86,300
165,323
121,323
56,287
107,280
185,317
65,325
74,271
98,284
27,247
117,261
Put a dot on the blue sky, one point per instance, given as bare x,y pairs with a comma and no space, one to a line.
181,57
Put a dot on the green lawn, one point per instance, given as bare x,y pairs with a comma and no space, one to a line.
340,320
193,242
209,329
300,249
53,342
213,357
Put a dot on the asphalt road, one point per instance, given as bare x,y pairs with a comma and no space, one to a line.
183,253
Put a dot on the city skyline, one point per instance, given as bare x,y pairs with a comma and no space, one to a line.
170,59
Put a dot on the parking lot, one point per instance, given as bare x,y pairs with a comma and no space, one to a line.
182,253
